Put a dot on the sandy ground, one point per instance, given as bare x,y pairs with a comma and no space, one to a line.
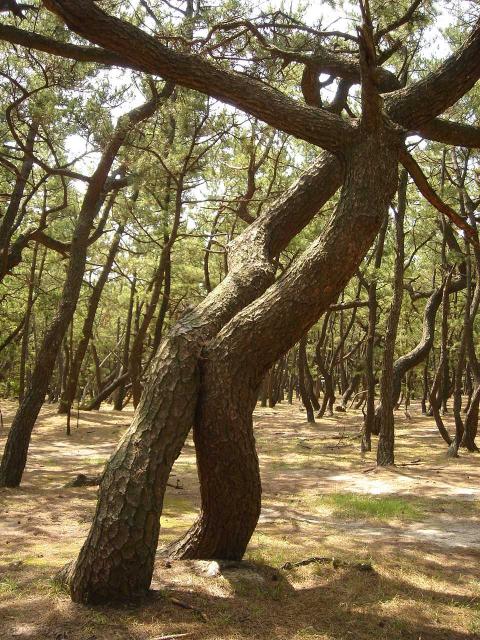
422,538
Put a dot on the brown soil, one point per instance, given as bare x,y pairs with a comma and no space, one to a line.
418,524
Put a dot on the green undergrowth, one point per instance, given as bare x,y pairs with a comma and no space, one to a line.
358,506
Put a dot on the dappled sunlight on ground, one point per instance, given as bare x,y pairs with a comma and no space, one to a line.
417,524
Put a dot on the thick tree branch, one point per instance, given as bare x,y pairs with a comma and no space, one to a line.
415,105
64,50
459,135
319,127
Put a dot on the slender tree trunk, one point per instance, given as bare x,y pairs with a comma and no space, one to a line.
425,388
120,395
26,325
162,314
87,330
370,425
434,402
460,367
385,450
305,396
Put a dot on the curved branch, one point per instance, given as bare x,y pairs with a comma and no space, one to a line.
432,197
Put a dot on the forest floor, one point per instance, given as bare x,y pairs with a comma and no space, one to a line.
418,525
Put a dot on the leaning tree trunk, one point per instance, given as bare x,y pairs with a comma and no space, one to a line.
385,449
116,560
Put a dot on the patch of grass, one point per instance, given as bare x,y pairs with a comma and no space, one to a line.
9,585
96,460
271,550
52,587
353,506
474,625
177,511
307,632
97,617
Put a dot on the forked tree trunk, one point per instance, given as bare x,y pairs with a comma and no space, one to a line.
277,320
420,352
351,389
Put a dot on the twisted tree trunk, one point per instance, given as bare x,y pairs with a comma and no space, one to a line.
277,320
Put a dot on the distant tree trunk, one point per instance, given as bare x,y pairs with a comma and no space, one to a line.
70,391
434,401
425,387
351,389
457,395
162,314
405,363
328,399
305,396
459,369
369,426
120,395
329,390
26,325
310,388
385,450
471,419
206,257
292,378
